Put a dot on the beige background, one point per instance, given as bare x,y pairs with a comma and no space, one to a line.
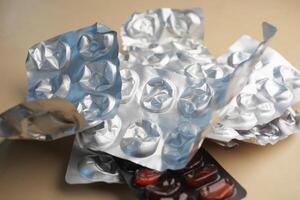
35,171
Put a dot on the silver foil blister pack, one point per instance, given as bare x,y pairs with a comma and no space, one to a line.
269,133
162,27
160,118
171,91
42,120
163,114
81,66
86,166
166,38
273,87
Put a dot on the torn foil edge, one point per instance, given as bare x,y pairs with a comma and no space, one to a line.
43,120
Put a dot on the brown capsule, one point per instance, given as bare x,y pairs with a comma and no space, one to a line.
146,177
167,188
219,190
196,162
201,176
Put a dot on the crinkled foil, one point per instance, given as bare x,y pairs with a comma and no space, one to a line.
164,26
88,167
163,114
166,38
81,66
41,120
155,43
158,121
239,78
272,88
269,133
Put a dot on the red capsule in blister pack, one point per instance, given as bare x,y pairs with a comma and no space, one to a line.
195,163
146,176
202,179
201,176
168,188
221,189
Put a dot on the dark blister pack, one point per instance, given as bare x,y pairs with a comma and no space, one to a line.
203,178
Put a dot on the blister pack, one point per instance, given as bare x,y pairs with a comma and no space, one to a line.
164,116
202,178
166,38
81,66
162,27
272,88
43,120
158,122
269,133
86,166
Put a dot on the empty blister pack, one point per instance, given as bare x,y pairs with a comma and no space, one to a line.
166,38
163,115
81,66
202,178
158,121
43,120
164,26
86,166
272,88
269,133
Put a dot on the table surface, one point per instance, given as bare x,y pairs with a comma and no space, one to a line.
35,170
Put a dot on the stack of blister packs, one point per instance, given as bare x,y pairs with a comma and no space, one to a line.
140,117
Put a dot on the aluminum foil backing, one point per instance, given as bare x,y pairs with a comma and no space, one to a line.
269,133
41,120
272,88
164,113
81,66
166,38
158,121
157,43
164,26
86,166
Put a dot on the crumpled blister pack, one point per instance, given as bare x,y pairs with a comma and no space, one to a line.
157,122
43,120
171,110
81,66
269,133
86,166
156,95
162,27
171,91
166,38
272,88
